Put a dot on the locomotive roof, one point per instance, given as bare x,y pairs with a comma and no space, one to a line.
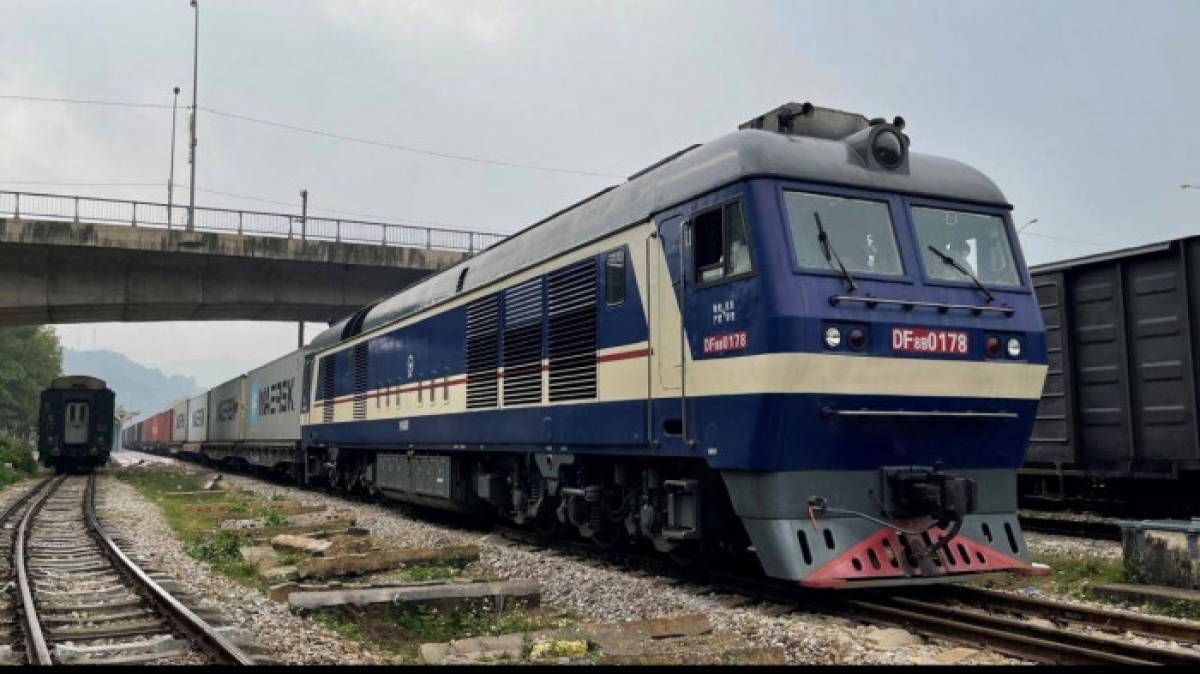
732,157
79,382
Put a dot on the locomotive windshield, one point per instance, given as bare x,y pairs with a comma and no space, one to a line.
859,231
977,242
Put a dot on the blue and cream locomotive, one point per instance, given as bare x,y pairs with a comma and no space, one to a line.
798,339
75,424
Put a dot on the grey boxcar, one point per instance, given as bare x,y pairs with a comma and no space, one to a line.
1119,404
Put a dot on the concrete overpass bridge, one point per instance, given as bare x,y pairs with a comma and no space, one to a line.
66,259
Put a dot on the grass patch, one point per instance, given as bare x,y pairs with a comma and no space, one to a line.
200,532
273,516
19,457
1178,608
1071,577
422,572
338,622
400,632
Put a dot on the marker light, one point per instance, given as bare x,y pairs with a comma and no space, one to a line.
1014,347
991,346
833,337
857,338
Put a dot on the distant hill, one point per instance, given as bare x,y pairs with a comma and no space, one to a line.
138,388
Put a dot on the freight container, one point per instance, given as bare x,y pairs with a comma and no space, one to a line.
226,411
179,424
198,419
273,405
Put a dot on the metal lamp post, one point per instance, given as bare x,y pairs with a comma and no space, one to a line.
191,221
171,179
1022,227
303,215
303,237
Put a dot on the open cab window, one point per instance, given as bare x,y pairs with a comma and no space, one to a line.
977,241
721,246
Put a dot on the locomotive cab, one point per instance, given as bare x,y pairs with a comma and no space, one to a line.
876,327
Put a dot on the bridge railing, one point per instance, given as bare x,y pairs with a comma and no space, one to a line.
69,208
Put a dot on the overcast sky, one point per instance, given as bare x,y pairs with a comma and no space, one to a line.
1082,112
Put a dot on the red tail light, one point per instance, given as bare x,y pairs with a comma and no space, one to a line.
992,347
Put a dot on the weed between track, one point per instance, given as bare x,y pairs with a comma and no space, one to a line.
395,631
401,632
1072,577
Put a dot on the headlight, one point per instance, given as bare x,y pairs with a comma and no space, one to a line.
833,337
888,149
1014,347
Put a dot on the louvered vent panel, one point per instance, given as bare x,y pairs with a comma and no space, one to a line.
327,390
483,351
572,342
523,315
360,366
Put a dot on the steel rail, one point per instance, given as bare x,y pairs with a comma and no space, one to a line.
1098,618
1010,636
15,505
196,628
35,640
1106,531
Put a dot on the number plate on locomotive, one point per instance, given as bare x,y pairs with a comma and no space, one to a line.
920,340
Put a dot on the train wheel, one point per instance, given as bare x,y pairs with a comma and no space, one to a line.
607,539
546,523
686,553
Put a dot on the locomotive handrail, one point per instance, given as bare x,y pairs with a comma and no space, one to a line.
918,413
78,209
942,307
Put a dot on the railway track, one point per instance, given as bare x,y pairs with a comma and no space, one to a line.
1102,530
998,621
1001,622
82,599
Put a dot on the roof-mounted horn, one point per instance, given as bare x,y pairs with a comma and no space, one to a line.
806,119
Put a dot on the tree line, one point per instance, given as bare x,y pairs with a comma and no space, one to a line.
30,358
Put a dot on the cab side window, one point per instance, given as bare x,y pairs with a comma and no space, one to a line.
721,245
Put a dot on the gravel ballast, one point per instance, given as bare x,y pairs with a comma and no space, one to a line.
601,594
288,638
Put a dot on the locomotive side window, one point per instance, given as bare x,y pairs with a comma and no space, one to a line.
614,277
859,232
721,247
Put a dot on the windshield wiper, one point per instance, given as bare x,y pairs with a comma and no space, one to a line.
966,272
831,254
